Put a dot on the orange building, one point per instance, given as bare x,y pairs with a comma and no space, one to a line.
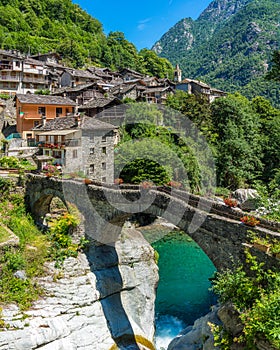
33,110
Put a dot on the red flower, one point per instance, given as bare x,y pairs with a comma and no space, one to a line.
118,181
249,220
230,202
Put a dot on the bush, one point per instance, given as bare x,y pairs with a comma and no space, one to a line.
10,162
30,255
61,245
5,185
256,295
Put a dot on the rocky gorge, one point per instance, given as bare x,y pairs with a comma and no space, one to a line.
97,300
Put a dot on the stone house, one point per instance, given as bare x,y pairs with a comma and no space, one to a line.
74,77
31,109
105,74
81,93
98,105
80,144
21,75
157,94
198,87
123,91
130,74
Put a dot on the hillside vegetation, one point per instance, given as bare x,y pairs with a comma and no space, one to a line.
229,46
59,25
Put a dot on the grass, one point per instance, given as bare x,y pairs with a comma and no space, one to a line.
34,250
4,234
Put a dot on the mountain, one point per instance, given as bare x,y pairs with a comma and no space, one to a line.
229,46
32,26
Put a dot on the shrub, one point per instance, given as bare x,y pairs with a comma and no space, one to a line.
10,162
61,245
256,295
5,185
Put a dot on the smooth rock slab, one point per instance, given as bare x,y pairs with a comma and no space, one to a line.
73,316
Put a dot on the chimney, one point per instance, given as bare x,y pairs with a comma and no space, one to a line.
77,120
44,120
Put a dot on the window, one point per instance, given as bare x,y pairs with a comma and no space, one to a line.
36,123
75,154
17,63
91,168
104,150
103,166
42,110
104,138
104,179
58,112
91,151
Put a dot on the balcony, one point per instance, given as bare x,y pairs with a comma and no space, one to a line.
34,80
60,145
6,66
9,77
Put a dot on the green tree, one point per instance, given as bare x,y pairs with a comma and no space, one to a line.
274,73
238,141
153,65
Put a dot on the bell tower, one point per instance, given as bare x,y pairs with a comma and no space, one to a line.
177,74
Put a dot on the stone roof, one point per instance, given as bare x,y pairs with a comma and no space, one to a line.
101,72
96,124
99,102
157,89
122,89
81,73
132,72
74,122
60,123
45,100
79,87
30,60
12,53
198,82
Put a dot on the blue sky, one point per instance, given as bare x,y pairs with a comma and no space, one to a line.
143,22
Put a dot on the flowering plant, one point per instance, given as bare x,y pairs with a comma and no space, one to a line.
249,220
87,181
175,184
118,181
230,202
146,184
50,170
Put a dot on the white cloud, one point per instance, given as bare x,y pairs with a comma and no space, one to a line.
143,23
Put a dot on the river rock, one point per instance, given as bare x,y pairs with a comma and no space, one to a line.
247,198
230,319
85,308
198,336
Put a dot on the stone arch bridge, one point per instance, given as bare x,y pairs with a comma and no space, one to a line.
214,227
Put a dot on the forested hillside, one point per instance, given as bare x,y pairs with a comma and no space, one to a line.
32,26
229,46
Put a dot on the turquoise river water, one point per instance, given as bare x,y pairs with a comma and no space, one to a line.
183,292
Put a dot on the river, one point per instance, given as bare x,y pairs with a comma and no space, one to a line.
183,292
